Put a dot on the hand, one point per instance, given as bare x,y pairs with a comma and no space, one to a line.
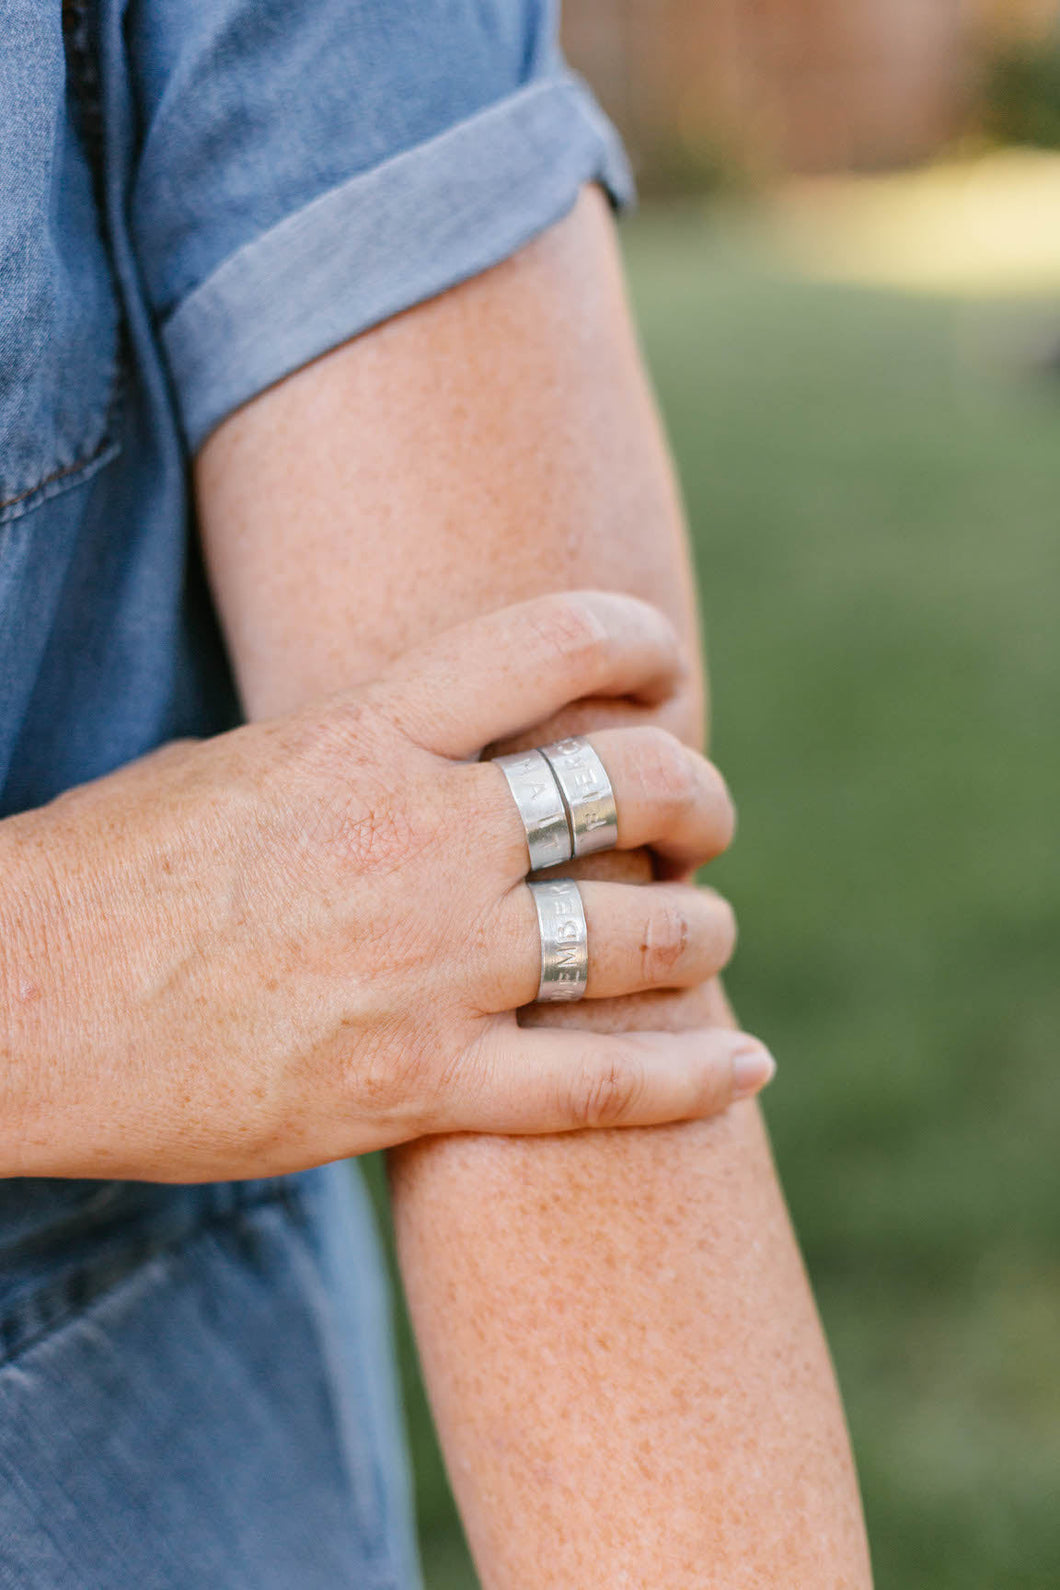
307,938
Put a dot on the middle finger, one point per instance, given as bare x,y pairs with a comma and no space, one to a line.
667,796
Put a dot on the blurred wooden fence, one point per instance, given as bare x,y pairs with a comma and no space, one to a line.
800,85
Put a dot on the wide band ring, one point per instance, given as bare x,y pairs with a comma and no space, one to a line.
587,794
537,795
564,939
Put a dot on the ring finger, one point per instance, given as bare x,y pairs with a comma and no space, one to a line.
640,936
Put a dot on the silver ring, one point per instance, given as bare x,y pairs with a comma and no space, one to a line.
537,795
587,794
564,939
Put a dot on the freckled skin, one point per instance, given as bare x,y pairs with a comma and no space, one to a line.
623,1356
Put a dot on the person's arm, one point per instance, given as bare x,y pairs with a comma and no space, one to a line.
629,1379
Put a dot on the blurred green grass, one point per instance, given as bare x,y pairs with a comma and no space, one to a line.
874,508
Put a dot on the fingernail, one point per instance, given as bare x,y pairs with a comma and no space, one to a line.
752,1068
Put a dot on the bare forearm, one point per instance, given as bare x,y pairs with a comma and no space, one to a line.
624,1362
619,1341
622,1350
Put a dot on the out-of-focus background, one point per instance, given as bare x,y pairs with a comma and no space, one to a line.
846,267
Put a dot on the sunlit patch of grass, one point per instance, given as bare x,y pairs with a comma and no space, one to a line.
989,225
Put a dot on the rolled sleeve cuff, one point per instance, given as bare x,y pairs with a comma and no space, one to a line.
386,239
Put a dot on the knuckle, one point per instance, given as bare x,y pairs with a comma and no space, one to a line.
470,800
666,768
608,1091
570,633
484,805
711,1090
665,941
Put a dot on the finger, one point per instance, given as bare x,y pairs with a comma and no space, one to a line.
499,674
667,796
550,1079
641,936
657,935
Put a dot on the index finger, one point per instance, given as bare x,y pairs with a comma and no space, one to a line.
497,675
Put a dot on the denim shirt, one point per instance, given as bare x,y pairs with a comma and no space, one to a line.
197,197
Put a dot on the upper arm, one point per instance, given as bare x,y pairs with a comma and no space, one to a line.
494,442
398,375
304,174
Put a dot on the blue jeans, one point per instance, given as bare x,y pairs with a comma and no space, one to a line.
197,1390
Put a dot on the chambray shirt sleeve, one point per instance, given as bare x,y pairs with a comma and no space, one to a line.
308,168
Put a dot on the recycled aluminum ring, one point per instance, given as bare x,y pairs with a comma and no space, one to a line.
587,794
564,939
537,795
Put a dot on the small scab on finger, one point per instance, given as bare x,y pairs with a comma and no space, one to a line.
665,942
